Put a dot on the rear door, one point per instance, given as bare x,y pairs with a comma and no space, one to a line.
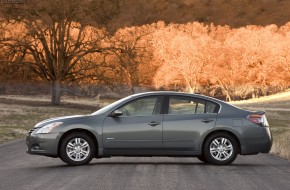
186,121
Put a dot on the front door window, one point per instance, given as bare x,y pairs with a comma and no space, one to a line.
142,107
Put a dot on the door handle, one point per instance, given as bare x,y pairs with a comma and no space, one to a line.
154,123
207,120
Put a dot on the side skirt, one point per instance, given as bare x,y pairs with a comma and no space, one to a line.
150,152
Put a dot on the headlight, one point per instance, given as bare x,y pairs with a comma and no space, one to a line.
47,128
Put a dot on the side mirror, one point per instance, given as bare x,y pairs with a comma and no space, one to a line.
116,113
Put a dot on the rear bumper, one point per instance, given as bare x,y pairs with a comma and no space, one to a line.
262,144
43,144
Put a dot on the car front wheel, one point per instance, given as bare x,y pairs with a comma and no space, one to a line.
77,149
220,149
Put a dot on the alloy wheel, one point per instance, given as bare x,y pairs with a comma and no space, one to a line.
77,149
221,149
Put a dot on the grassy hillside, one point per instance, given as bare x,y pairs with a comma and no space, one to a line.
234,13
17,117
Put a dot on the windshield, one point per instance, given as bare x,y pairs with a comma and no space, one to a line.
110,106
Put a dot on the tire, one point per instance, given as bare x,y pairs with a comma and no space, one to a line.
77,149
220,149
202,158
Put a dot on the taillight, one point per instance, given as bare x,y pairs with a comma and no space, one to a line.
259,119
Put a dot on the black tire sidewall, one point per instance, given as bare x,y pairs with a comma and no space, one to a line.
210,158
63,155
202,158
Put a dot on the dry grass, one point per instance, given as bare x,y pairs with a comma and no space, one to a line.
280,100
45,99
16,120
19,113
281,144
280,127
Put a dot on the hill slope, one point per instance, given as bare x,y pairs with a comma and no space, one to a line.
234,13
273,102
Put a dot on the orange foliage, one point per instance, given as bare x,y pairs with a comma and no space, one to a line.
194,57
242,62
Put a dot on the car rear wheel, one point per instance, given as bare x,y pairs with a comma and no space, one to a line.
77,149
220,149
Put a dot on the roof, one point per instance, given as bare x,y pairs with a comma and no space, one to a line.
178,93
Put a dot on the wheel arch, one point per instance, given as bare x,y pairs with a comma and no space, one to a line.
222,131
79,130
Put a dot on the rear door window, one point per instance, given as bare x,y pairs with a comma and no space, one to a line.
189,105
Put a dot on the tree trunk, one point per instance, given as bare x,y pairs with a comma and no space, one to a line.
2,88
191,90
132,82
55,92
228,97
132,89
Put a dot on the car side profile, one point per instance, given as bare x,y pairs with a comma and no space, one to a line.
155,124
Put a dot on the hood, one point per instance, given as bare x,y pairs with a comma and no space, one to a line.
57,119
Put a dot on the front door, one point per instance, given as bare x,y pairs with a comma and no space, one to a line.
139,127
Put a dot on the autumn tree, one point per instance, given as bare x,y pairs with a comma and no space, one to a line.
252,54
11,71
58,35
218,60
184,58
282,53
131,50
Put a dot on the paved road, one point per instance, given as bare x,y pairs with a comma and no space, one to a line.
19,170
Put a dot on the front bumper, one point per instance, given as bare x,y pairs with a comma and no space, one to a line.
43,144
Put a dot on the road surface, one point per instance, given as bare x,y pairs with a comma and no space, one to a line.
19,170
